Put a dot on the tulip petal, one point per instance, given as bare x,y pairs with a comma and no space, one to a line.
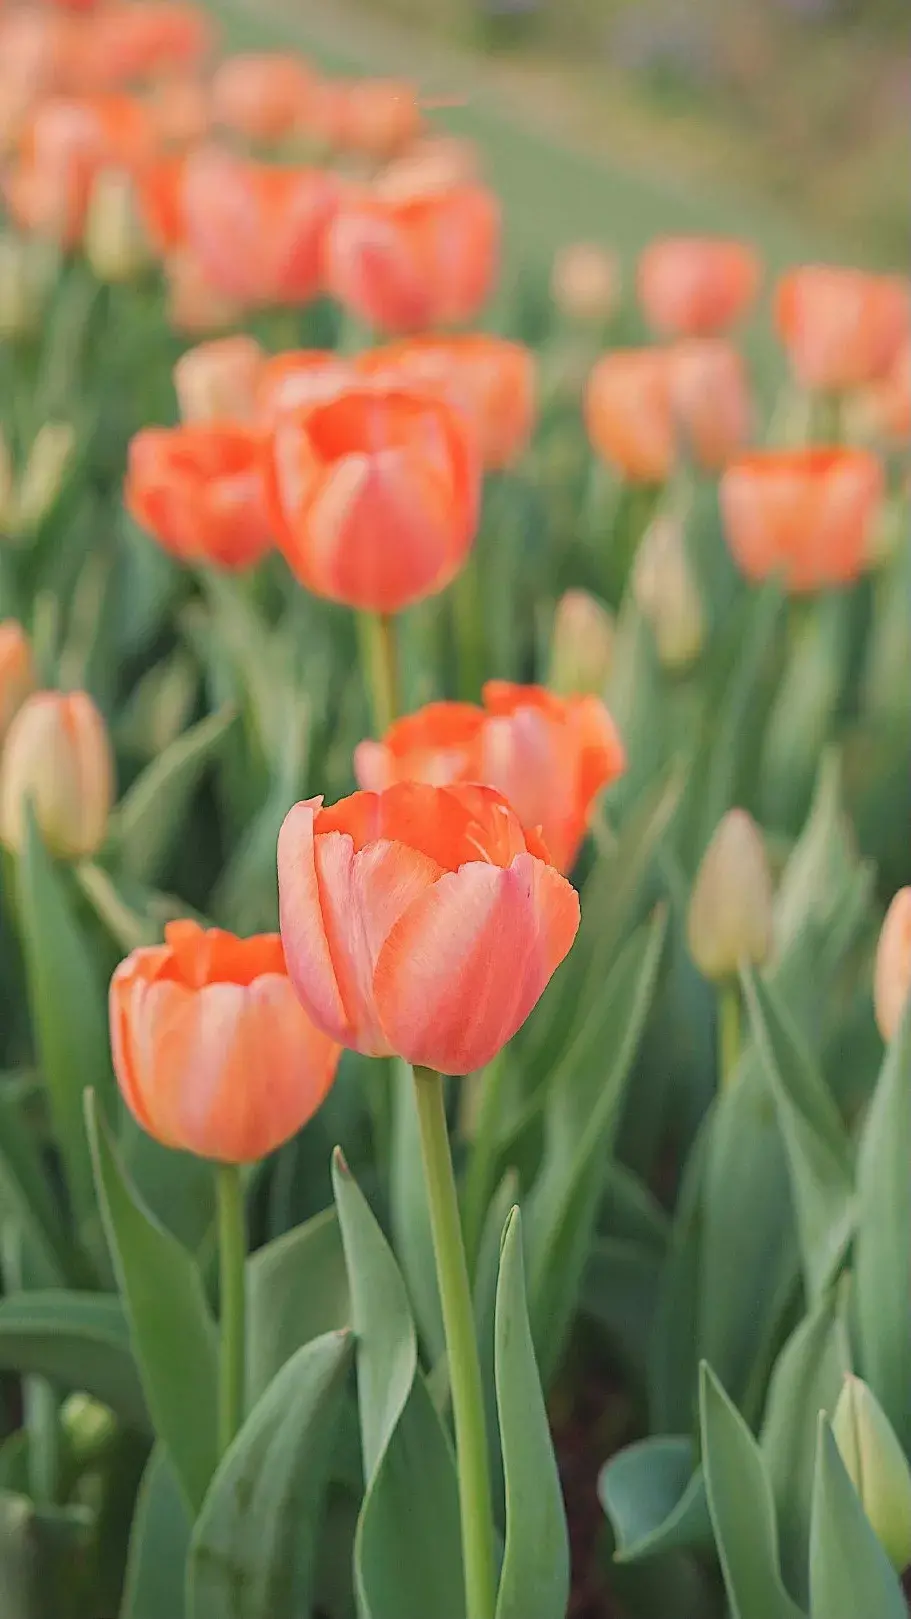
303,929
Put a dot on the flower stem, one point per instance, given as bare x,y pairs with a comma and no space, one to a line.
232,1244
461,1347
728,1030
380,663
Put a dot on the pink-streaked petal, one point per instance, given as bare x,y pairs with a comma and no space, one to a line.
303,929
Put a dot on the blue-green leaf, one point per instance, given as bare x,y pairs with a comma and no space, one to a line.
297,1289
149,816
80,1341
159,1544
654,1495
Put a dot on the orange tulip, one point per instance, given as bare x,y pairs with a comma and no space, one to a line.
431,163
892,976
696,286
257,231
262,96
160,200
212,1049
300,377
374,495
57,756
194,306
69,141
421,260
17,671
808,514
882,409
217,381
180,112
551,756
125,43
200,491
628,414
585,282
420,921
710,399
377,117
841,327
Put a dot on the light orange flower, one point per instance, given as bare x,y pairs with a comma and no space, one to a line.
892,976
217,381
710,399
807,514
212,1049
585,282
882,409
264,96
136,40
841,327
68,142
421,921
376,117
200,491
57,756
17,671
180,111
160,183
194,306
300,377
697,286
374,495
629,416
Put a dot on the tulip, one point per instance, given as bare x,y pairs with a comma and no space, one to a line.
68,142
432,163
425,259
212,1049
114,240
876,1466
377,117
582,645
160,194
730,914
374,495
489,378
217,381
200,491
194,306
420,921
585,283
262,96
17,671
697,286
301,377
42,479
138,39
57,754
881,411
710,399
892,975
180,112
667,594
628,414
22,284
808,514
841,327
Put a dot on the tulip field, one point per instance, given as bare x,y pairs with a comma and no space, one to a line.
455,871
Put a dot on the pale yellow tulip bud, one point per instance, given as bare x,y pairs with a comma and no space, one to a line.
216,381
17,672
877,1467
730,915
57,755
585,283
892,976
20,288
666,593
114,240
582,646
42,477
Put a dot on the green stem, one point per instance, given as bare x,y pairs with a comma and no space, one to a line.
482,1161
232,1243
728,1030
468,625
380,663
461,1348
43,1427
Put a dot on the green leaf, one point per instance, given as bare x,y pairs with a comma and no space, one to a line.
654,1495
534,1579
850,1574
620,1291
80,1341
297,1289
174,1337
159,1544
882,1253
25,1194
742,1509
176,1188
253,1549
486,1278
410,1215
149,816
407,1550
672,1363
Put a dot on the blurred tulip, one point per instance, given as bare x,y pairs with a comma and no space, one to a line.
892,978
489,378
199,490
628,414
808,514
160,192
550,756
582,646
193,305
300,377
7,484
876,1465
421,921
374,495
432,163
212,1049
841,327
17,671
257,231
422,260
42,479
126,43
376,117
57,755
68,142
114,240
180,111
585,283
730,914
217,381
710,399
667,594
697,286
24,278
880,413
262,96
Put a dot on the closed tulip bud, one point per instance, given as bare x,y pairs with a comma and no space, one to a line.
58,756
667,594
114,240
730,915
42,477
6,483
585,283
582,647
877,1467
217,381
892,976
19,289
17,672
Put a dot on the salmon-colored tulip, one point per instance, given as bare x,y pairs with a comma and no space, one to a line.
421,921
194,306
69,141
697,286
892,976
549,755
585,282
212,1049
416,261
58,757
301,377
432,163
882,409
133,41
263,96
17,671
160,199
807,514
376,117
646,408
217,381
200,491
257,230
841,327
374,495
710,399
180,111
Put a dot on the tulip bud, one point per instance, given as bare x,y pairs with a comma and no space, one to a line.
17,672
582,646
892,976
57,755
585,283
114,242
730,915
877,1467
6,482
42,477
666,593
217,381
20,288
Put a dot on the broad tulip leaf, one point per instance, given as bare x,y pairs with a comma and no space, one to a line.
81,1341
173,1332
410,1214
253,1548
673,1358
654,1495
25,1195
149,816
486,1278
176,1188
742,1509
850,1574
159,1544
534,1579
297,1289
